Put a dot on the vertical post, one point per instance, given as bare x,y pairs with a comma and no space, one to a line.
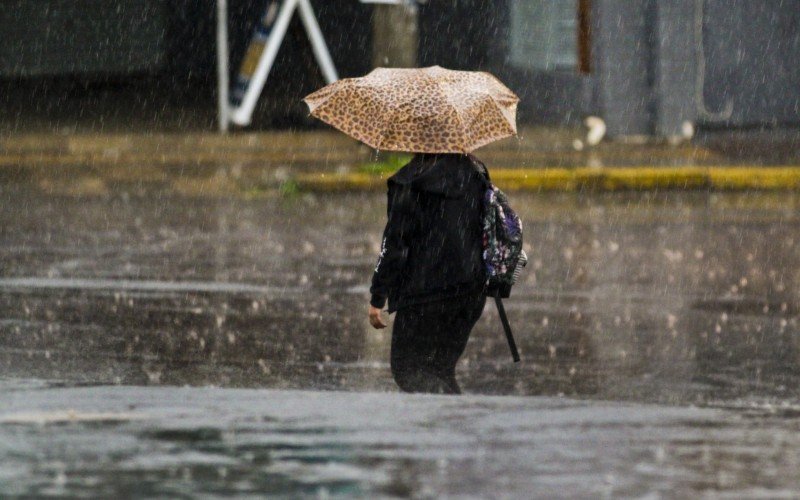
675,53
584,37
222,65
621,57
395,37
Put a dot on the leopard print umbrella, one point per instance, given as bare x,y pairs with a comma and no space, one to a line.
425,110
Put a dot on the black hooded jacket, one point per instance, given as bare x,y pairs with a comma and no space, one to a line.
431,246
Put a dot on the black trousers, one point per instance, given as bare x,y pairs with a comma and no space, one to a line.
428,339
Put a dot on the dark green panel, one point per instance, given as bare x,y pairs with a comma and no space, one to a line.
81,36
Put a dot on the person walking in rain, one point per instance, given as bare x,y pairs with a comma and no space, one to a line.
430,269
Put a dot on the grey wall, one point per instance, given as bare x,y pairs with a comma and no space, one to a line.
752,62
716,62
674,66
622,40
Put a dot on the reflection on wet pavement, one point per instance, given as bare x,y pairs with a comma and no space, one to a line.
667,297
184,442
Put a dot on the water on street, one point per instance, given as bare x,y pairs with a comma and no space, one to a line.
659,336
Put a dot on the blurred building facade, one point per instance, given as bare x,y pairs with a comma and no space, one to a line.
646,67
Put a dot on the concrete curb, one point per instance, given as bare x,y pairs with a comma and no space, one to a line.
722,178
101,150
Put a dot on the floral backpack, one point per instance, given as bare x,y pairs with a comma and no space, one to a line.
503,255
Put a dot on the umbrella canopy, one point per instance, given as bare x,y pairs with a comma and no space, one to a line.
421,110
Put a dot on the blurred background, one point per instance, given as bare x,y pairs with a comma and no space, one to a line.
645,67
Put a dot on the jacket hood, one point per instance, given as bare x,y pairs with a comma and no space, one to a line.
447,175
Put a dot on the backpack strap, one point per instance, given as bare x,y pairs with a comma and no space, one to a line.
507,327
480,168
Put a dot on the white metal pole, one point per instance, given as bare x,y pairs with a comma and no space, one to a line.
223,83
318,41
243,114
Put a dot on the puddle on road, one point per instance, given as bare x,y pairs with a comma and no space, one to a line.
300,443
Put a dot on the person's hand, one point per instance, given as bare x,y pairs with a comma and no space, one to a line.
375,318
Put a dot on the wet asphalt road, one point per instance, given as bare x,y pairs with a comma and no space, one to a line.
631,300
120,442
